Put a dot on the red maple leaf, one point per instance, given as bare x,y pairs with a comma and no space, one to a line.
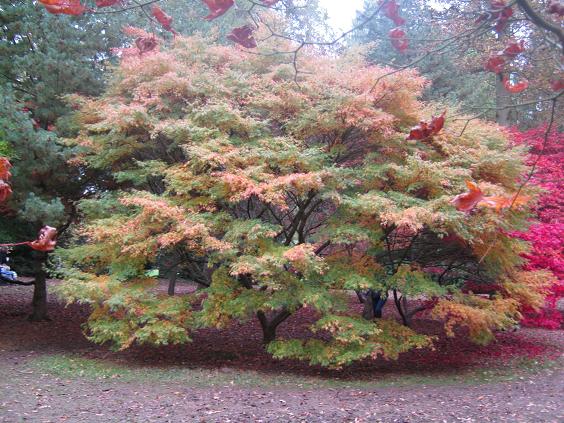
164,19
65,7
495,63
391,10
217,8
515,88
425,130
107,3
5,167
243,36
46,240
467,201
514,48
398,39
5,191
146,44
557,84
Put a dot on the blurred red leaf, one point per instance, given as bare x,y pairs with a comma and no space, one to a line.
244,36
398,39
391,10
515,88
217,8
5,167
164,19
514,48
495,63
46,240
501,13
5,191
557,84
425,130
467,201
107,3
145,44
65,7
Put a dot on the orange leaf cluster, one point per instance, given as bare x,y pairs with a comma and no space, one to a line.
475,197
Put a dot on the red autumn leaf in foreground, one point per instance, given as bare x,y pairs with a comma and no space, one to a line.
495,63
391,10
475,197
398,39
5,167
515,88
107,3
5,191
163,18
425,130
217,8
243,36
46,240
514,48
270,2
555,7
467,201
145,44
557,84
65,7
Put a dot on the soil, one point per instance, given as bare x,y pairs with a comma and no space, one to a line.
443,385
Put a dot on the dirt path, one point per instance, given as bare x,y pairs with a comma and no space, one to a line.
50,373
29,396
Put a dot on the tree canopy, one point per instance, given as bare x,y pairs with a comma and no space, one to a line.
279,193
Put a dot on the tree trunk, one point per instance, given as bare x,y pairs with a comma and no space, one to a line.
269,326
172,281
39,301
502,101
405,318
368,305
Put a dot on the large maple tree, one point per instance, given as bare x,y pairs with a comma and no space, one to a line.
277,195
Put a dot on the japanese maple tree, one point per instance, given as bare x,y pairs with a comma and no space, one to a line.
286,194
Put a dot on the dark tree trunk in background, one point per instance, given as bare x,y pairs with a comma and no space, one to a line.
39,301
368,305
502,100
373,302
172,281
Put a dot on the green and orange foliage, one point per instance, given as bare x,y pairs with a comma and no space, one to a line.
288,194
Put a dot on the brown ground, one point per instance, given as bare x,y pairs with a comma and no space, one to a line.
50,373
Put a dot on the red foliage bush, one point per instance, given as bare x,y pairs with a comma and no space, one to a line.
546,236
